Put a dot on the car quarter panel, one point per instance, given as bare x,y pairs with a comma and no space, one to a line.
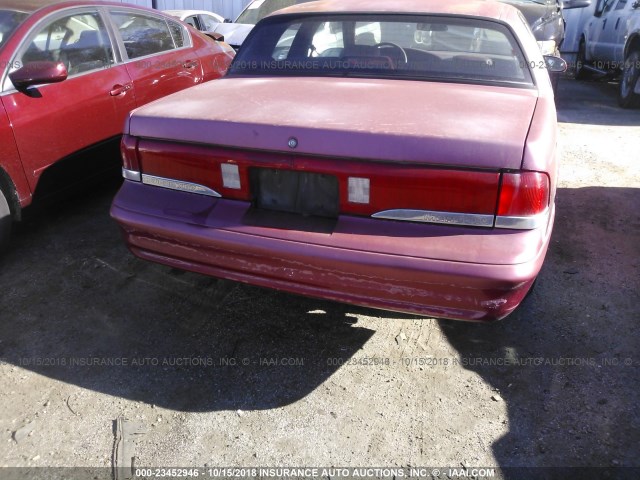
10,160
215,57
540,153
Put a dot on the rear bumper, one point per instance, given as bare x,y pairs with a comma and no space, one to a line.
437,271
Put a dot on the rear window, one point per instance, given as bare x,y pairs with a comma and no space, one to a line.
145,35
384,46
9,21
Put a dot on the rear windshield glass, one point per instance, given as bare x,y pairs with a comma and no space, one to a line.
9,21
384,46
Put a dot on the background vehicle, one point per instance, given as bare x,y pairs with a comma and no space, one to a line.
354,180
575,21
547,23
610,45
236,32
198,19
70,73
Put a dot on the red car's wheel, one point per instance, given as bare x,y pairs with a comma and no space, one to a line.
5,222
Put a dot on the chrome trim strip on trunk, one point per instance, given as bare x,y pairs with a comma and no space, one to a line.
524,223
131,175
179,185
447,218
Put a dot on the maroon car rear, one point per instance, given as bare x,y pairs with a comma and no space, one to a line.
361,181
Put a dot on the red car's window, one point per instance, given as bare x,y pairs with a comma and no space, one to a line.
193,21
80,41
178,34
385,46
143,35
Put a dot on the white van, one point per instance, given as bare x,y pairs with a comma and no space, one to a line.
610,45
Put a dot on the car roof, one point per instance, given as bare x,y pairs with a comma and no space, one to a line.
476,8
33,5
27,5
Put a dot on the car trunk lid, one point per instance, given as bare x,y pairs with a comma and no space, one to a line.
411,122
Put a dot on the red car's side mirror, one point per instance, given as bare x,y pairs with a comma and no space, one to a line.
38,73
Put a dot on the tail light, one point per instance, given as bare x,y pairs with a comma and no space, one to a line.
401,187
523,194
524,199
479,198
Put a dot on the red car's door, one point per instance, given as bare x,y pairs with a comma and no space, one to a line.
53,121
161,59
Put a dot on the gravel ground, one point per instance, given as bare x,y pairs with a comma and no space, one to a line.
221,374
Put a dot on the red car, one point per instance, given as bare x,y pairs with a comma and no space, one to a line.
70,74
398,156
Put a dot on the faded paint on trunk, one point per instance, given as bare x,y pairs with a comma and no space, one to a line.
393,120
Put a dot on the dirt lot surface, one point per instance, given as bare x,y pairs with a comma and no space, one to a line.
222,374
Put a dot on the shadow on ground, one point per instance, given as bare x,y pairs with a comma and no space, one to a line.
571,385
91,314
